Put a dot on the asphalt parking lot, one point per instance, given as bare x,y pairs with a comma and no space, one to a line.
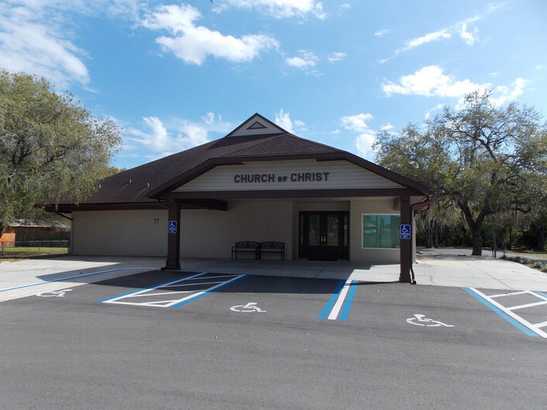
217,340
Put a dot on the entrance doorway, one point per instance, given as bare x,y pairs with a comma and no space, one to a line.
324,235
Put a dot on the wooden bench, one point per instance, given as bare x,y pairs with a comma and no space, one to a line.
273,247
246,247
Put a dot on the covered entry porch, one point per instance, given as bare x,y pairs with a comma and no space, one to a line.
323,231
341,269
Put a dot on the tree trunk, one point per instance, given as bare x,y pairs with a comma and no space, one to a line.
435,234
429,236
540,238
477,242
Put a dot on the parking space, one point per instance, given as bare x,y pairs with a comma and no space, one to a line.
392,307
176,292
267,298
526,310
132,332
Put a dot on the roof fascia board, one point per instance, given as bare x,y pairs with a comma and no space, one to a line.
303,193
188,203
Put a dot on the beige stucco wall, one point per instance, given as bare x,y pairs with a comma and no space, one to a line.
120,233
211,234
370,256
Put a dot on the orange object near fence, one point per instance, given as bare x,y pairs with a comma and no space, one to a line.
7,238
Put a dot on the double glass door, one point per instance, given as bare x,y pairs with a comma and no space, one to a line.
324,235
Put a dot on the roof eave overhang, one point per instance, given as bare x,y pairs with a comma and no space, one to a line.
294,194
188,203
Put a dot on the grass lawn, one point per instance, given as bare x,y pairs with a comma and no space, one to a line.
24,251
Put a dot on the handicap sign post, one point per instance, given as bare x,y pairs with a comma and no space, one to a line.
406,232
172,227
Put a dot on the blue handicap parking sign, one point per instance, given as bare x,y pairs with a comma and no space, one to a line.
406,231
172,226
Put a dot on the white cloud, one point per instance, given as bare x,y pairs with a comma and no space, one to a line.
381,33
469,37
431,81
357,122
387,127
35,36
461,28
365,144
277,8
366,136
336,56
284,120
505,94
429,113
32,41
193,43
158,138
427,38
304,60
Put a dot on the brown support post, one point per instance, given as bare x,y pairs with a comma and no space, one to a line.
173,236
405,239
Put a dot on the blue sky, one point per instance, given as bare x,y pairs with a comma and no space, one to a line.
176,74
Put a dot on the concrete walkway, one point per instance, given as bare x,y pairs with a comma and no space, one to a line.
436,270
460,271
28,277
478,272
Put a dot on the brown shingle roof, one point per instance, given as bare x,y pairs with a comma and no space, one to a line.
145,183
134,185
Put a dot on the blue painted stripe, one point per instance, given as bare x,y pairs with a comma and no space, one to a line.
500,313
346,306
324,314
133,290
202,293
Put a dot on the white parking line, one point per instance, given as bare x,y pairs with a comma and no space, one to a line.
172,292
333,315
205,291
163,285
533,327
195,284
124,299
499,295
527,305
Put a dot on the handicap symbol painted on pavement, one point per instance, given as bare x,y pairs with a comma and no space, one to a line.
421,320
248,308
54,293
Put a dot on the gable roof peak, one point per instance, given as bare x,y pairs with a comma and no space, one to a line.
256,124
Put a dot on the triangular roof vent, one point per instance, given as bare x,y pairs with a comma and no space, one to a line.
257,125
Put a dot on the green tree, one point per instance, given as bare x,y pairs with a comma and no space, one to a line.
50,147
484,158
